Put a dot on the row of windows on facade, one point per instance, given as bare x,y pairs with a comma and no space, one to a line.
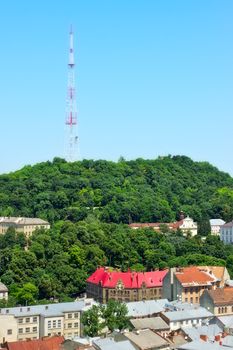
127,292
57,324
192,300
186,322
223,310
195,290
35,319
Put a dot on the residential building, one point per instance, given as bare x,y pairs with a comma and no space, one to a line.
53,343
226,233
33,322
105,284
156,324
3,291
215,225
186,225
186,318
146,339
187,284
146,308
219,301
20,224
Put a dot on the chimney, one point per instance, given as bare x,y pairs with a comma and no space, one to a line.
217,337
203,337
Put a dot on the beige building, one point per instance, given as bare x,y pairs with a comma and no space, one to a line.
34,322
25,225
219,301
187,284
3,291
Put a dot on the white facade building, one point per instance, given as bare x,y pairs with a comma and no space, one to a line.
188,225
33,322
226,233
215,225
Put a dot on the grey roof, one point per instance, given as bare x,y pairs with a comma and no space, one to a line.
228,224
201,345
176,305
227,321
146,307
48,310
200,312
216,222
146,339
22,221
155,323
3,288
111,344
227,341
194,333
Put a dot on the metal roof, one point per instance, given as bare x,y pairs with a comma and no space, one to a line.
111,344
48,310
201,345
216,222
146,339
146,307
154,323
200,312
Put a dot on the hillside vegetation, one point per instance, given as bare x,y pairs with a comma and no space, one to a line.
89,204
123,192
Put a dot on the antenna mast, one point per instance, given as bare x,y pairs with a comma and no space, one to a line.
71,142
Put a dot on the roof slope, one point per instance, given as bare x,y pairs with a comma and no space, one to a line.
191,276
110,279
221,296
38,344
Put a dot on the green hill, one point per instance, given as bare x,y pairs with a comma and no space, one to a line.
88,203
122,192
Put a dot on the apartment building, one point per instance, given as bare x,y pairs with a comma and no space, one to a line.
226,233
219,301
188,283
25,225
105,284
33,322
215,225
3,291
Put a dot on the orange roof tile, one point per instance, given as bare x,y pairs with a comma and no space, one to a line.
191,276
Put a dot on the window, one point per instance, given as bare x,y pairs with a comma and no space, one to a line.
76,315
27,319
54,323
69,325
69,316
34,329
49,334
35,319
196,299
186,300
191,300
59,323
9,331
76,325
49,324
27,330
20,330
20,320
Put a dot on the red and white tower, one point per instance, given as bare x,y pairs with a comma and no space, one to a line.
71,142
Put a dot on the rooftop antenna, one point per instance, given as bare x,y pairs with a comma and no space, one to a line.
71,142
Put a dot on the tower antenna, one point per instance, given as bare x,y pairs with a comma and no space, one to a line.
71,142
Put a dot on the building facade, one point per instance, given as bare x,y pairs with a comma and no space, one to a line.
215,225
219,301
226,233
37,321
186,225
105,284
3,292
25,225
188,283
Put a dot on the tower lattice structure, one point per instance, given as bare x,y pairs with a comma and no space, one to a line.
71,142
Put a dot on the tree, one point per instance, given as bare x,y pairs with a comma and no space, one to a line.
92,322
27,295
115,315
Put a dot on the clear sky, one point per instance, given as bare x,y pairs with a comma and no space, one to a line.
154,77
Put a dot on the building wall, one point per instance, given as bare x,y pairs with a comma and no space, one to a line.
27,327
72,324
124,295
8,328
226,235
26,229
185,324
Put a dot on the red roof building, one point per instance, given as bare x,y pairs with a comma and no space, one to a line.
105,284
52,343
185,225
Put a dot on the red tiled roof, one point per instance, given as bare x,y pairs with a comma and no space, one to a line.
52,343
221,296
193,276
109,279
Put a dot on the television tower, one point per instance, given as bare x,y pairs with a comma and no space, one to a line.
71,142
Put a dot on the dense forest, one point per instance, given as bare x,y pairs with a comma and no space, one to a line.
89,205
122,192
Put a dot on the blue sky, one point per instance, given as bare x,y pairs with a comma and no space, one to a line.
154,77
